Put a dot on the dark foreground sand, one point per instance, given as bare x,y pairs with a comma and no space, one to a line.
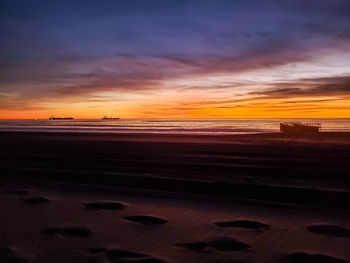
84,223
250,198
271,167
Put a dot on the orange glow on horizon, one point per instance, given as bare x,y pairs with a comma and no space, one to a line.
255,108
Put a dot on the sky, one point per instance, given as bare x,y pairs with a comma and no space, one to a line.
175,59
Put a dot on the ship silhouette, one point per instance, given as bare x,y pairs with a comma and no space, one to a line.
109,118
299,128
61,118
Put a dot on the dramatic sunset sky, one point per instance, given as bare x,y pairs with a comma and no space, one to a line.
174,59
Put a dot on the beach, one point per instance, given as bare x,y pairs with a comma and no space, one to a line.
175,131
74,197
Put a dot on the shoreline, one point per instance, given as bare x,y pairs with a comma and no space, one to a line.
168,137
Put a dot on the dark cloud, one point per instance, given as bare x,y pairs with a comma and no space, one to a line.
319,87
336,89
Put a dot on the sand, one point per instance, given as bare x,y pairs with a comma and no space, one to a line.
63,230
147,198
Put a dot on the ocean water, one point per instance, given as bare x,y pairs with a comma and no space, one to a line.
167,126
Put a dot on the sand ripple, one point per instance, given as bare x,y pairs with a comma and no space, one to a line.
35,200
17,192
228,244
243,224
329,230
8,255
146,220
105,206
73,231
301,257
121,256
193,245
222,244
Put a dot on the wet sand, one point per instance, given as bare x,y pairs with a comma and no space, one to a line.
161,198
273,167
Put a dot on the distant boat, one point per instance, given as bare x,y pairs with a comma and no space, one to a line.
61,118
299,128
109,118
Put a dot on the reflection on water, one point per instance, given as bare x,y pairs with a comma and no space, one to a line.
169,126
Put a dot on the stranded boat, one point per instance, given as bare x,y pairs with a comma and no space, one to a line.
299,128
61,118
109,118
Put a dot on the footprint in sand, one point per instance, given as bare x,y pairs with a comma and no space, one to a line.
146,220
94,259
113,254
105,206
301,257
17,192
145,260
222,244
228,244
329,230
71,232
119,255
8,255
231,261
194,245
247,224
96,250
34,200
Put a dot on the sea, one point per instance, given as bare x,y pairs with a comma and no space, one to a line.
168,126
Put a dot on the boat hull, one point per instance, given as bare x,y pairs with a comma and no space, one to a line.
296,128
67,118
